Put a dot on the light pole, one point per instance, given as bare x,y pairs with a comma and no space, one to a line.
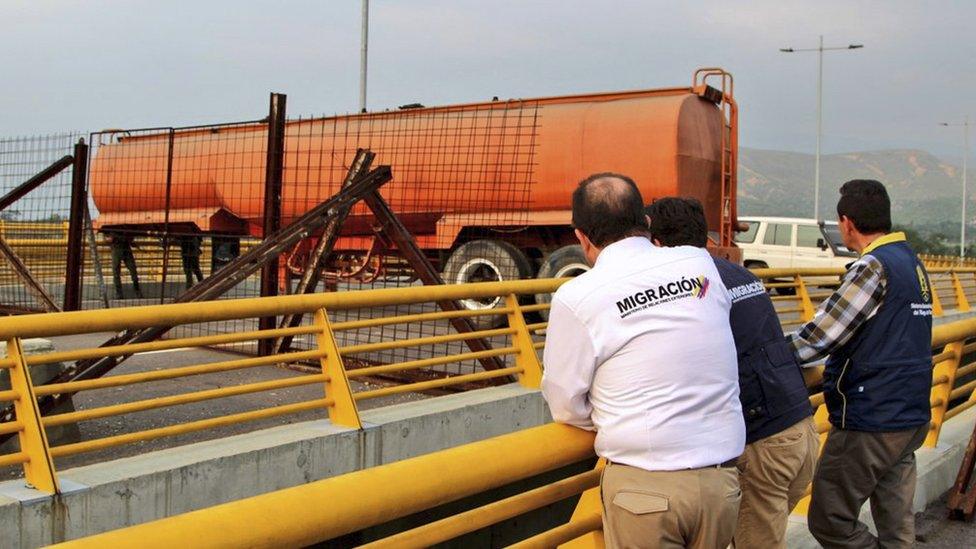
965,159
816,168
362,57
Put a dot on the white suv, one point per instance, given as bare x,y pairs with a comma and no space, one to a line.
789,242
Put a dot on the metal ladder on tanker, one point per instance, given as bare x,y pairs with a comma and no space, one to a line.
730,143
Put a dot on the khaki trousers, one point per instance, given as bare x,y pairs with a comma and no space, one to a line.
855,466
669,509
774,472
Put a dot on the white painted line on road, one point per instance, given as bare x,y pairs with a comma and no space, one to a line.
167,351
302,338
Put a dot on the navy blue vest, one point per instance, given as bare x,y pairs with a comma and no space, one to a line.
771,387
881,379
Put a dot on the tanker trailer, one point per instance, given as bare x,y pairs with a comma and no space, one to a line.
484,187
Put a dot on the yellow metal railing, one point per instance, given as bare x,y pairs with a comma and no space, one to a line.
519,343
797,292
512,343
381,494
411,486
946,261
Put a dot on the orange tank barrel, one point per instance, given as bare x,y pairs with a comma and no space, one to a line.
669,141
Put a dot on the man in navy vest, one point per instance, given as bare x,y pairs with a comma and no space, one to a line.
781,441
877,330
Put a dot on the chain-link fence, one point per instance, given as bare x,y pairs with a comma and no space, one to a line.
173,205
35,185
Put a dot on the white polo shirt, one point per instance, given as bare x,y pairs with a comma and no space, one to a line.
639,349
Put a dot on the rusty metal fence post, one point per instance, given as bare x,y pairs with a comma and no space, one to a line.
166,215
75,270
39,467
272,206
93,252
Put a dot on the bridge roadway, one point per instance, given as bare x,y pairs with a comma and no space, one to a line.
397,412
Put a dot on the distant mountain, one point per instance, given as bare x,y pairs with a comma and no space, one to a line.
925,190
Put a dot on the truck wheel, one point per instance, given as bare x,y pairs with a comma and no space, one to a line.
486,261
567,261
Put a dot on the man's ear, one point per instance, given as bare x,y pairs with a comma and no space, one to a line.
585,242
846,222
657,243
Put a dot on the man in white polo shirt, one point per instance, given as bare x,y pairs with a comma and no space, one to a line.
639,349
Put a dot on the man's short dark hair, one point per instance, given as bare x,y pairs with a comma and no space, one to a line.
608,207
865,202
678,222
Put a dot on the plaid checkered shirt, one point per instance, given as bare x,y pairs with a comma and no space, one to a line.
839,316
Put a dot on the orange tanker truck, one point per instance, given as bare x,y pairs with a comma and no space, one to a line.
485,188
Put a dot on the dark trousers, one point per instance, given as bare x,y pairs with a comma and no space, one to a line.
191,268
118,258
856,466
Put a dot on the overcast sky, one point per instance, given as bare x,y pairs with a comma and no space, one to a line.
69,65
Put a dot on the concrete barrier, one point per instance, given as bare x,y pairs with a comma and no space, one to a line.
128,491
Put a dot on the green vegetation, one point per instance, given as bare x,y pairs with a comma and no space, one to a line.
925,191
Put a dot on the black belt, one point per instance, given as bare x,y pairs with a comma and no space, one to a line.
725,464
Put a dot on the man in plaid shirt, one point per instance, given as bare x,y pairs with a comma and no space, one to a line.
876,330
839,317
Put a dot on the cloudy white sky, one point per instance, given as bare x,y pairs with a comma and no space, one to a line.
71,65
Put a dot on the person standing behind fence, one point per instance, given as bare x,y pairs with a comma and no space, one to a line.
639,349
190,253
877,330
121,245
781,439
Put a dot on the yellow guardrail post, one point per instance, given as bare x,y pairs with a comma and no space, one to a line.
940,391
936,300
961,302
344,411
589,504
531,369
39,469
805,303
